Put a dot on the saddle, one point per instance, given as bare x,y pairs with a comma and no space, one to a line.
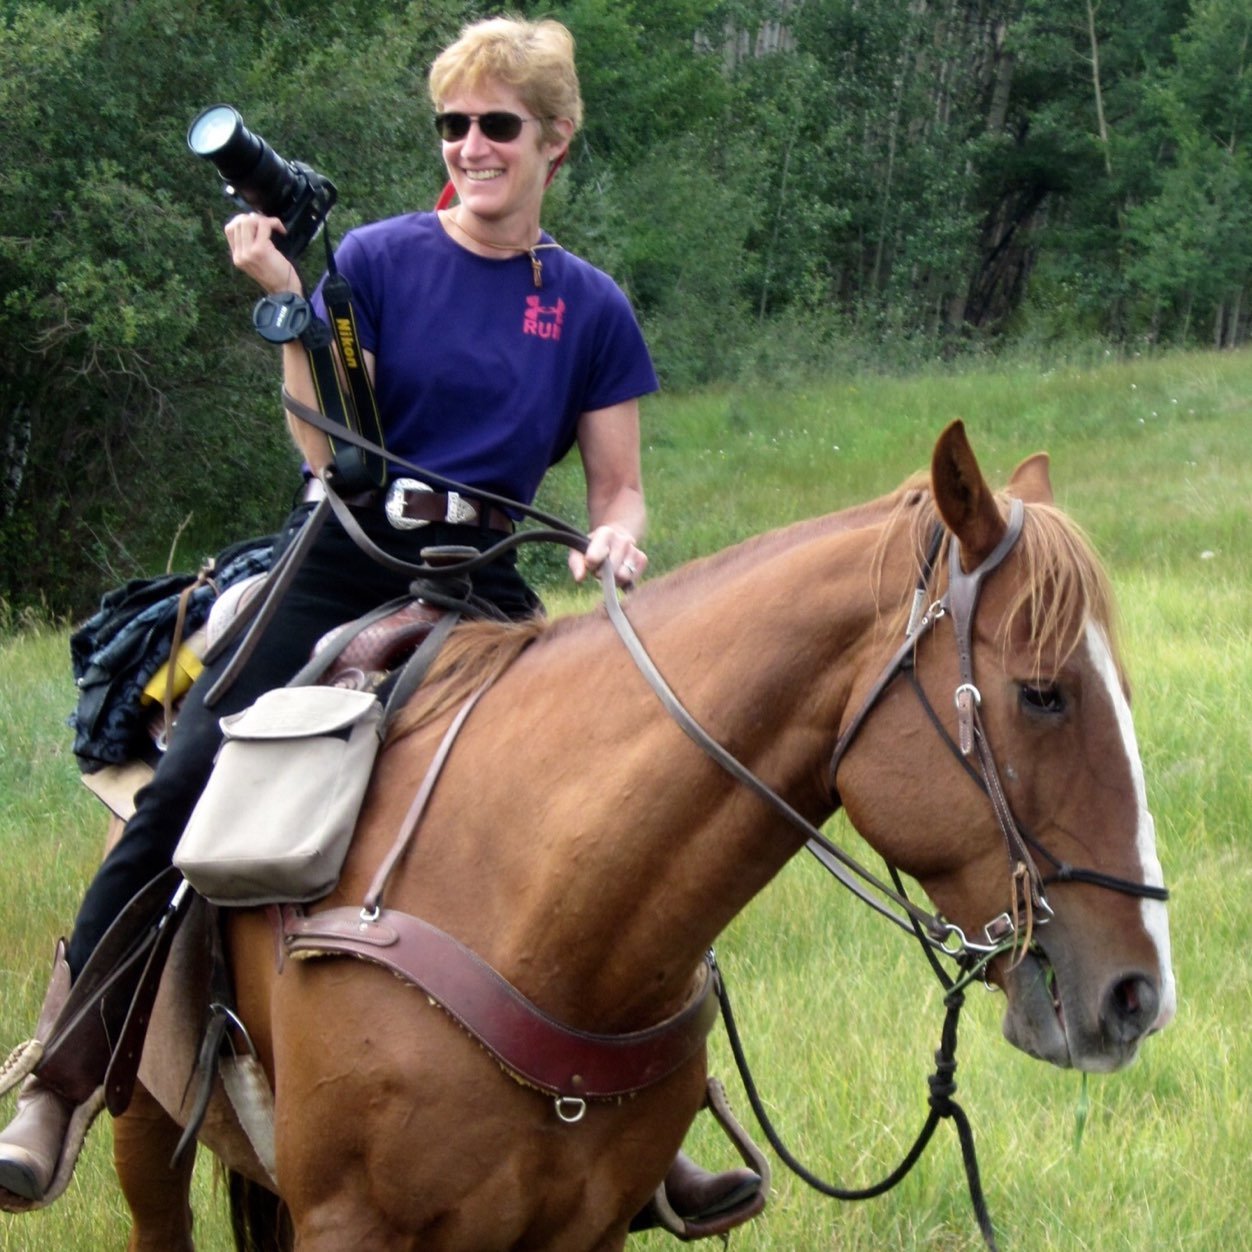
371,652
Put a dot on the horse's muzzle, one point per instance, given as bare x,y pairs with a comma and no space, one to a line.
1049,1018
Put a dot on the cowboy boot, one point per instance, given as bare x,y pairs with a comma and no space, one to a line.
31,1145
693,1203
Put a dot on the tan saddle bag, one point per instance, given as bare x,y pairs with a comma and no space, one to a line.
276,819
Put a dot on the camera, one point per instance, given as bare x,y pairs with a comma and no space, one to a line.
257,178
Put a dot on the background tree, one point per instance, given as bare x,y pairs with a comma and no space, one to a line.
778,184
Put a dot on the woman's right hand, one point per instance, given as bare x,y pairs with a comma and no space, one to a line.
252,250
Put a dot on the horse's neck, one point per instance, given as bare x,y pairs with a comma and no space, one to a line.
607,849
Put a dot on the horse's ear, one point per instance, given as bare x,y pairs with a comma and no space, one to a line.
965,502
1031,482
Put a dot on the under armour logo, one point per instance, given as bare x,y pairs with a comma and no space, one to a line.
543,320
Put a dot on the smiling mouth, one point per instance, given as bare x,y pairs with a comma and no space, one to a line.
483,176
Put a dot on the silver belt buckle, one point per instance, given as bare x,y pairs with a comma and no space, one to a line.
460,511
394,505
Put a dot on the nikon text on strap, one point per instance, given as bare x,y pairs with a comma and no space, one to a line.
362,404
284,317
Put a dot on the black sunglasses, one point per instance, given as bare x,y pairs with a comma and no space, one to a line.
497,127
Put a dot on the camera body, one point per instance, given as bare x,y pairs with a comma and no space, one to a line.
258,179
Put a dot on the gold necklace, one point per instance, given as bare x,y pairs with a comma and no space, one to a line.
536,265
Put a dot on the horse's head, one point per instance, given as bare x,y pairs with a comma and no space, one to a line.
1022,792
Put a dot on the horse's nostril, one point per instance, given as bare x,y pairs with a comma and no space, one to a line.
1131,1008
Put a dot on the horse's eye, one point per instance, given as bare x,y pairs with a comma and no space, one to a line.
1046,698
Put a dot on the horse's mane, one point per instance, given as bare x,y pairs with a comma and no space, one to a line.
760,547
1064,587
475,654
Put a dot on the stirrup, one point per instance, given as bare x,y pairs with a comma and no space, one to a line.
689,1229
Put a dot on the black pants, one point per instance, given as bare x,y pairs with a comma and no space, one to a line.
336,583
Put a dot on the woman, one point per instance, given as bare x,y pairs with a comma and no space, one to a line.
492,352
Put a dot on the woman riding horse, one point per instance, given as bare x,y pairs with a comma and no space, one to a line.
431,292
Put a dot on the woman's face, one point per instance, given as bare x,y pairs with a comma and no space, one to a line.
498,180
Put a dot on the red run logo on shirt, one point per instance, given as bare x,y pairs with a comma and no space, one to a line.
543,320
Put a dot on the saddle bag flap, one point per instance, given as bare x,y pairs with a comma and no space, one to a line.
276,819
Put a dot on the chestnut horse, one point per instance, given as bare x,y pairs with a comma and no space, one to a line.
584,847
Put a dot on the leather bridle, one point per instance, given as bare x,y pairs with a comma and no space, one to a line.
1007,931
959,605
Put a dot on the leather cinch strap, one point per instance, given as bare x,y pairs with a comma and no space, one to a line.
534,1048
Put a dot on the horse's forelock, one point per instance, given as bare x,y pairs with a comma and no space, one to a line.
1063,586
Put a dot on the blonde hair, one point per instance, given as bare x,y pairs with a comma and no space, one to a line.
534,59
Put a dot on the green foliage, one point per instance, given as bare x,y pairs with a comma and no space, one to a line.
781,187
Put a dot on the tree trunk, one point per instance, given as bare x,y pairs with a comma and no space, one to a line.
15,452
1002,83
778,218
1232,322
1101,124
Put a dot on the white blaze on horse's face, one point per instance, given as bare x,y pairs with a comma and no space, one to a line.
1155,920
1049,1015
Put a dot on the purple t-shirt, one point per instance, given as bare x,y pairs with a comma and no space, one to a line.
481,376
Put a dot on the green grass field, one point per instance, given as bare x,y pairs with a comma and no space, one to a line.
840,1013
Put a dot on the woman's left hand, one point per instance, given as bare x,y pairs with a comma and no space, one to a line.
615,544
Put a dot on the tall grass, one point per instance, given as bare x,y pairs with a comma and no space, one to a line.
839,1012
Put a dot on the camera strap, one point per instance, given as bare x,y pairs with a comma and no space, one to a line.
286,316
361,407
355,470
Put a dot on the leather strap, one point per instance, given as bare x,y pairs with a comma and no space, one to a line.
260,612
119,1078
417,809
78,1053
537,1050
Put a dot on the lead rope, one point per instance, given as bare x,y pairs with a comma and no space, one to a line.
941,1088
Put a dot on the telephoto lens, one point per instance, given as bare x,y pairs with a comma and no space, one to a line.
257,178
255,172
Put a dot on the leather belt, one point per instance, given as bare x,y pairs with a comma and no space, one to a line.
410,503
